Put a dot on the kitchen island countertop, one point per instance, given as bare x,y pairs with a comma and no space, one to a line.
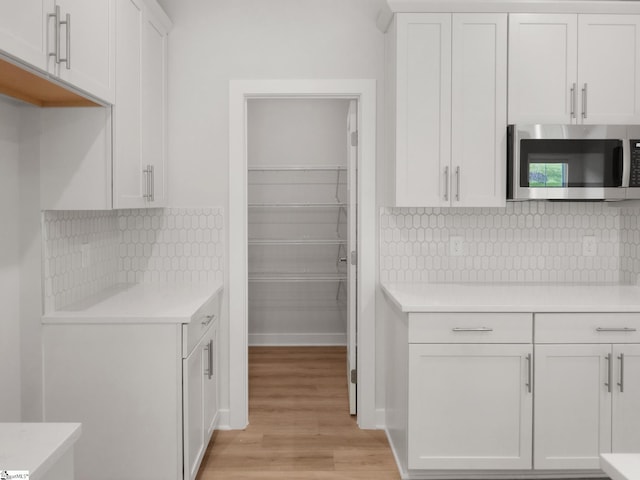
513,297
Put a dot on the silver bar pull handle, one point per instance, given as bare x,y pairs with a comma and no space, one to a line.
207,320
145,172
472,329
210,359
207,371
446,184
56,38
529,372
67,59
616,329
573,100
609,366
153,183
458,183
584,101
621,382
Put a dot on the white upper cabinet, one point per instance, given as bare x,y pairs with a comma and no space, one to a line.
23,30
87,46
567,68
140,110
608,63
542,68
479,110
448,125
68,40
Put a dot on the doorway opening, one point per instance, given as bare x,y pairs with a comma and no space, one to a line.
235,326
302,228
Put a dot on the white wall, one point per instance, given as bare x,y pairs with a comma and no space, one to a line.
30,264
9,262
213,42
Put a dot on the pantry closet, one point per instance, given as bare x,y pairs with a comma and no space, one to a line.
298,221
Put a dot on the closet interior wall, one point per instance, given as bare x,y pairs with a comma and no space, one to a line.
297,221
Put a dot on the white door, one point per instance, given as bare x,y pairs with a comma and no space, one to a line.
352,243
626,399
193,371
88,42
479,110
23,27
423,111
470,406
608,61
542,68
573,406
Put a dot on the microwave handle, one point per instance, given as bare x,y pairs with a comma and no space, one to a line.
626,162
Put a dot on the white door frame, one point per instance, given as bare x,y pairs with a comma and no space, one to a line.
239,92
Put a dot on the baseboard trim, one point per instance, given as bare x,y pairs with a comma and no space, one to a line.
297,339
223,419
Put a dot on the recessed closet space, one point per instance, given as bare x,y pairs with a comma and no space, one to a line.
298,221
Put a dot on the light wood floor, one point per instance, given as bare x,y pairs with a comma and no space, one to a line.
299,424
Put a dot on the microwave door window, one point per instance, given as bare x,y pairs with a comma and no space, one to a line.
570,163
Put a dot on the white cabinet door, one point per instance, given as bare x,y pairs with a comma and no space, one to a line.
193,409
423,109
140,110
542,68
573,406
154,104
23,27
469,406
211,383
88,45
608,62
479,110
626,399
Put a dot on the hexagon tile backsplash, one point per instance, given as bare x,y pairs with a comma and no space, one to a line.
524,242
87,251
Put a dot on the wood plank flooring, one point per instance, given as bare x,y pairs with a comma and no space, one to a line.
299,424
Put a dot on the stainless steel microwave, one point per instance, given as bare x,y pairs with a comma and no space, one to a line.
573,162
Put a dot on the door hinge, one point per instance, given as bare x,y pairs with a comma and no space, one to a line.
354,376
354,139
354,258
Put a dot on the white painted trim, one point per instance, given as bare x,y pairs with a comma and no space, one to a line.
239,91
297,339
223,419
380,419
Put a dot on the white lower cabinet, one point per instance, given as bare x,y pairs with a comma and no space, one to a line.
470,406
200,401
469,391
587,388
145,393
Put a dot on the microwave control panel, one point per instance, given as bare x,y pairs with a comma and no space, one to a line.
634,174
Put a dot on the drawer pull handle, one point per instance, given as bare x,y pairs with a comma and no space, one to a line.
208,320
621,329
475,329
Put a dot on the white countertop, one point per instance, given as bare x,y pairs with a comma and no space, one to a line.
139,303
496,297
35,447
621,466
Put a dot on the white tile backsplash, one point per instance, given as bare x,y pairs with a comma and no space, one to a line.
128,246
524,242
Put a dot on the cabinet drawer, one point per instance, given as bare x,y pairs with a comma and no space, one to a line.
470,328
193,331
587,327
